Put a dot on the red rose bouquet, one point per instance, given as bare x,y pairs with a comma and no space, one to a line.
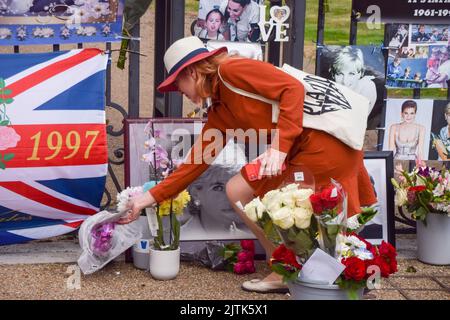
330,209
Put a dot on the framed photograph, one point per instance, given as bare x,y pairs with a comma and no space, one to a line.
425,34
407,128
361,68
228,20
440,131
59,21
380,166
209,215
251,50
398,35
406,69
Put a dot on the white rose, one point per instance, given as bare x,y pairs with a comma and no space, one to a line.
290,187
401,197
302,217
301,197
273,200
269,196
287,198
283,218
254,209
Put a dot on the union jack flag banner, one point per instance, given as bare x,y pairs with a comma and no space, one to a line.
53,149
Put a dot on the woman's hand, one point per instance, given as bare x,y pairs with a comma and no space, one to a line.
271,163
135,206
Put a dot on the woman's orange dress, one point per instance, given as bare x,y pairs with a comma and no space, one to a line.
325,156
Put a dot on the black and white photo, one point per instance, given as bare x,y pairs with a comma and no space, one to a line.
209,215
360,68
379,165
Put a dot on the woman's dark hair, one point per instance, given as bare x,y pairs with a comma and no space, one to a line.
243,3
409,104
216,11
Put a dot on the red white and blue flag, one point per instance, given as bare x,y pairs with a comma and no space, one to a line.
53,148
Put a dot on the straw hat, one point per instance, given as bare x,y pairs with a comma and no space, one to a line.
181,54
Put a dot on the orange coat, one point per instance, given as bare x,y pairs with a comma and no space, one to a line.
325,156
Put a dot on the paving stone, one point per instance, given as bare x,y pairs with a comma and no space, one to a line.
414,283
427,295
384,295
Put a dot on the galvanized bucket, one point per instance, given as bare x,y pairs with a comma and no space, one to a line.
433,240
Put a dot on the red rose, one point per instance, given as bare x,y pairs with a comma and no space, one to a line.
244,256
393,266
386,249
384,266
248,245
239,268
355,268
316,202
250,267
417,188
286,256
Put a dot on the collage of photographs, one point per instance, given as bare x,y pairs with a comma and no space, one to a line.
230,23
419,59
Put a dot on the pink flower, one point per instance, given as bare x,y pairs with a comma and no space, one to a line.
250,266
240,268
8,138
245,256
248,245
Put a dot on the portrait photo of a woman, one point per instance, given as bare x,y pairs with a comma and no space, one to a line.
408,122
440,131
359,68
210,215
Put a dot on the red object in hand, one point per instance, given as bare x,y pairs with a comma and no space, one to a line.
252,170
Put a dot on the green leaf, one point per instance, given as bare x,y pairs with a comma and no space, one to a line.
2,165
7,92
9,100
4,123
2,83
8,156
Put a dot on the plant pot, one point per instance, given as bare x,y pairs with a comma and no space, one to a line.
300,290
433,239
164,265
141,254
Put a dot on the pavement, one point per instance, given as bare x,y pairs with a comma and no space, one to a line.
47,270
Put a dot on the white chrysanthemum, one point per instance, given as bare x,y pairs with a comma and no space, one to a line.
363,254
125,195
254,209
355,242
283,218
353,223
302,217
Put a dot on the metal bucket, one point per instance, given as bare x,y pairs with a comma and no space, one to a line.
308,291
433,240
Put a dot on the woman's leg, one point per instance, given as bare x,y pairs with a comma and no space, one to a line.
239,190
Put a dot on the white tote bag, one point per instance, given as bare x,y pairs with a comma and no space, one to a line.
328,107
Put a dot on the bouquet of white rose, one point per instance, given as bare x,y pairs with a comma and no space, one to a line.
286,214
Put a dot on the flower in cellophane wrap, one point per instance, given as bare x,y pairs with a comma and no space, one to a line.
330,210
286,213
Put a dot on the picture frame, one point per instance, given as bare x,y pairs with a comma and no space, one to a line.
214,218
380,166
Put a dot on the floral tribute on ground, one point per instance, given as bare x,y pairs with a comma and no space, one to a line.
306,221
423,190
